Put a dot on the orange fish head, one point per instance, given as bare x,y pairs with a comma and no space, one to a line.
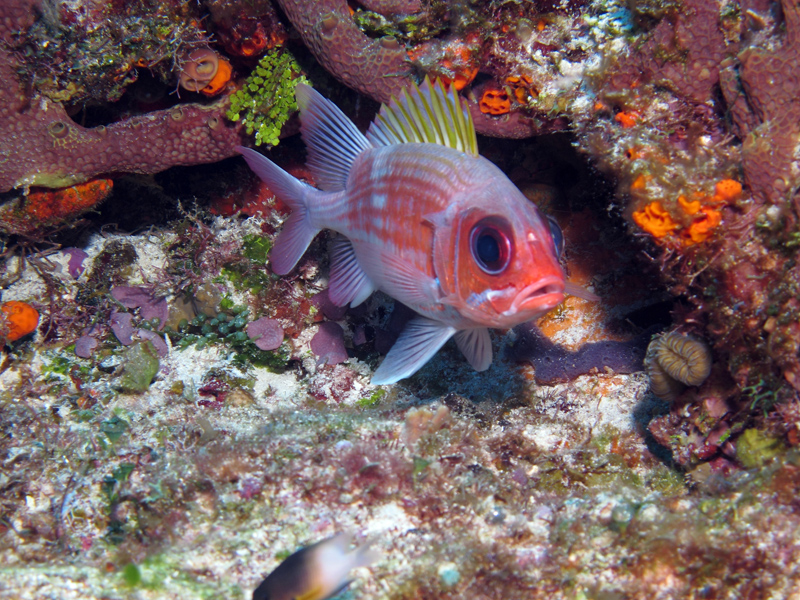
497,263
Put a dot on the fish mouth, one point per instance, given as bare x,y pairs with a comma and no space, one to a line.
540,297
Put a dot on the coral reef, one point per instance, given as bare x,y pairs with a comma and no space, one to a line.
177,419
43,146
405,46
700,136
186,474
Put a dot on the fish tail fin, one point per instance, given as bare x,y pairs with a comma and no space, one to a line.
366,554
298,230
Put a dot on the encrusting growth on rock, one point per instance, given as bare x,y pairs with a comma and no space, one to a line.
43,146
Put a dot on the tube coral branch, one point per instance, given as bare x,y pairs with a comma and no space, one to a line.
380,68
42,146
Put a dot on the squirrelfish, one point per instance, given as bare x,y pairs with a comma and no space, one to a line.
422,217
315,572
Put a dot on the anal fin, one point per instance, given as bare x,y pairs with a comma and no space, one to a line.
349,283
418,342
476,345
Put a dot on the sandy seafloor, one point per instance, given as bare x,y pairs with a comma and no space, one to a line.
470,485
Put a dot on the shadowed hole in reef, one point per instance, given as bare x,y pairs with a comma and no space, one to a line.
649,408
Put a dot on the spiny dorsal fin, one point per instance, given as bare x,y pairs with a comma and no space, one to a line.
332,140
426,114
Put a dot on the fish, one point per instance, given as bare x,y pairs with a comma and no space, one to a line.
421,216
315,572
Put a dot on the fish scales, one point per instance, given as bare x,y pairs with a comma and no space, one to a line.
421,182
423,218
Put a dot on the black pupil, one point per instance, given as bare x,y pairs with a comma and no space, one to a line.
490,245
488,249
558,236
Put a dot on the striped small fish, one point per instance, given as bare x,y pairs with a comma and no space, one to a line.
316,572
422,217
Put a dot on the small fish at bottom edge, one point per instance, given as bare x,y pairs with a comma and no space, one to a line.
315,572
422,217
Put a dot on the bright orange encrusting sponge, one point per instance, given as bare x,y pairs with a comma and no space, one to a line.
690,208
700,230
220,80
53,206
44,207
18,320
654,220
626,119
727,190
495,102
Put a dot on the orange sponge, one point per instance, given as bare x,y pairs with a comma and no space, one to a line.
17,319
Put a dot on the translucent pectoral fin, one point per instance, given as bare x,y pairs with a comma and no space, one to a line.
476,344
573,289
349,283
420,340
402,280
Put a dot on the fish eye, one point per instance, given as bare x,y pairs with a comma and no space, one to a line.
558,236
491,245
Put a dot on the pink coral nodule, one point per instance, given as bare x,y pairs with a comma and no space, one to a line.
266,333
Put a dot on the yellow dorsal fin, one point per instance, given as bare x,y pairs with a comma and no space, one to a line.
425,114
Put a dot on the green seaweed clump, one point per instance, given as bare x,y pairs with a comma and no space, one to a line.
266,100
229,329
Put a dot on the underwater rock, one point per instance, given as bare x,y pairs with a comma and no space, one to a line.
139,366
